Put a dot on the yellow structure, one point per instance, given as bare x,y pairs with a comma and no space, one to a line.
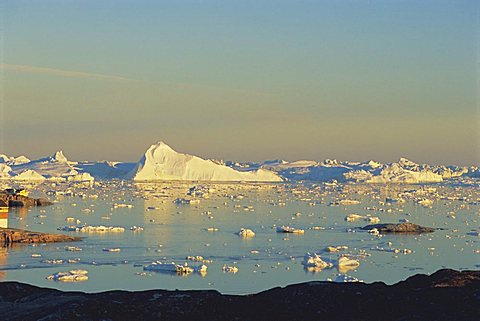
23,192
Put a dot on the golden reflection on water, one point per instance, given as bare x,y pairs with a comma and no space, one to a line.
3,261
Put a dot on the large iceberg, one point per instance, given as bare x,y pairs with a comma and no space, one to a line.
161,162
395,173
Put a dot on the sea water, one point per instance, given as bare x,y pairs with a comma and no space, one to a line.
171,232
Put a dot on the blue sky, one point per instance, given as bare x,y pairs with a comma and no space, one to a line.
245,80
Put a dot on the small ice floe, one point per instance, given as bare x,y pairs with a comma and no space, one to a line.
425,202
136,228
53,261
93,229
198,258
334,249
374,231
367,218
315,262
185,201
36,255
175,268
288,229
354,217
372,219
229,268
111,249
212,229
72,248
122,205
346,278
246,233
70,276
382,249
317,228
344,261
344,202
73,220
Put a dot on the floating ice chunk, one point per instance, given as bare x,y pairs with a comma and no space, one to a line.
168,267
114,249
122,205
202,269
348,202
69,228
70,276
136,228
345,261
288,229
175,268
212,229
315,261
78,271
335,249
195,258
92,229
246,233
72,248
374,231
346,278
185,201
53,261
101,229
354,217
229,269
425,202
372,219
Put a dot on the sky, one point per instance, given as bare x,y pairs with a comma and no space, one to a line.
242,80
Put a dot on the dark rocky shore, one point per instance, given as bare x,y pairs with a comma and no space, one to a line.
9,236
444,295
21,201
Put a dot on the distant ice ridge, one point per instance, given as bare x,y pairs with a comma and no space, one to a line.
404,171
55,167
161,162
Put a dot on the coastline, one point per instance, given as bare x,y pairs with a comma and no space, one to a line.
444,295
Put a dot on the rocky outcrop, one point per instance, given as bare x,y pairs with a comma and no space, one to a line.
9,236
399,228
20,200
445,295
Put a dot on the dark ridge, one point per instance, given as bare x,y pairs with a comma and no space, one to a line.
444,295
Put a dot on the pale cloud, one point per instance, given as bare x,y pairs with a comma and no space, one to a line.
61,72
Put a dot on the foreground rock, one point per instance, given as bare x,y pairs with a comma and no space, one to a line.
21,201
445,295
399,228
9,236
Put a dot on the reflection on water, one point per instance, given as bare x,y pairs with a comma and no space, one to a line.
172,232
3,261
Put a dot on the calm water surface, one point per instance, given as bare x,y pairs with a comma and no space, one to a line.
172,232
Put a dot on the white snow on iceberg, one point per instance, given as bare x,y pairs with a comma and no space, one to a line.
161,162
